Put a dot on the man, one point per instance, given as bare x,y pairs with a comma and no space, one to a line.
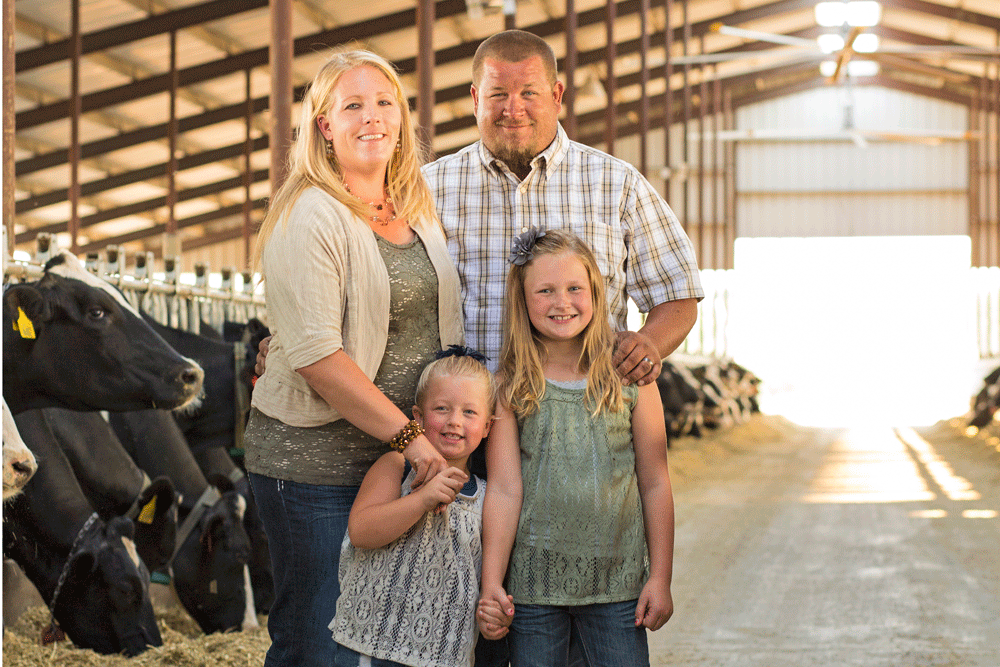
525,172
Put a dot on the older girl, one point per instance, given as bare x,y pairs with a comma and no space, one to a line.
579,503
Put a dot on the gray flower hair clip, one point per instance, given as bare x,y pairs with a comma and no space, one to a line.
520,252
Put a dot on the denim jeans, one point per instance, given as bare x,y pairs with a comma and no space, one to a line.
305,526
540,635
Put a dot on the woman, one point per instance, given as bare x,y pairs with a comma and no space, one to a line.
360,294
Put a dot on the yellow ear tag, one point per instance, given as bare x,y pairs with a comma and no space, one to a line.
146,515
23,325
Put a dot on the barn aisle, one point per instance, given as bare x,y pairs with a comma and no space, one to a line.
868,547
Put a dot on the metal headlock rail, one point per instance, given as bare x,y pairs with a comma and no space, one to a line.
168,301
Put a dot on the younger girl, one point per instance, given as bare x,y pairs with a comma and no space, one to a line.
409,567
582,461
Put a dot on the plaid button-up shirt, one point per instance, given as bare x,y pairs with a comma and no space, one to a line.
641,249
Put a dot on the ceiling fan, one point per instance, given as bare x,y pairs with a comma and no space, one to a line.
810,49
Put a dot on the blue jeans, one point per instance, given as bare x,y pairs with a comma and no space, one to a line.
540,635
305,526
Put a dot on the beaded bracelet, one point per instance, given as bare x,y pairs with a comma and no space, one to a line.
406,435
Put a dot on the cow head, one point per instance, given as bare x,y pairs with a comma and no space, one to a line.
156,523
210,570
71,340
104,603
18,461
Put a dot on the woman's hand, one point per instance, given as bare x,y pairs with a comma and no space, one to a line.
426,461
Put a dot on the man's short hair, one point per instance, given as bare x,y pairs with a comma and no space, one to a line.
514,46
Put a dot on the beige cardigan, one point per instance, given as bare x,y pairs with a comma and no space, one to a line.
327,289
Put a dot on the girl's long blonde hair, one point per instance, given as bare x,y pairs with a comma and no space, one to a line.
308,165
522,357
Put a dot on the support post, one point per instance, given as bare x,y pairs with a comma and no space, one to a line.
425,70
281,53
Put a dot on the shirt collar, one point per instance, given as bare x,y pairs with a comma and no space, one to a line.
548,158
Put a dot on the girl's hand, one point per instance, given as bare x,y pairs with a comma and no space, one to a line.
426,460
441,489
656,605
495,614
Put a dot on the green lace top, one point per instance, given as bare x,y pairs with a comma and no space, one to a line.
580,537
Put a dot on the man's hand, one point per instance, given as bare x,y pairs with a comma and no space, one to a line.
262,350
636,358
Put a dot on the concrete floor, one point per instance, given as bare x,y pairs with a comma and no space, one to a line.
801,547
868,548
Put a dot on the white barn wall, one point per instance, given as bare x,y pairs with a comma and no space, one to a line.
829,189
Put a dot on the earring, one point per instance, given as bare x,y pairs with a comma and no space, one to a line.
329,151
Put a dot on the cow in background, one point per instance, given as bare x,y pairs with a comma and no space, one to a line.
986,402
115,485
213,428
18,461
209,566
53,533
71,340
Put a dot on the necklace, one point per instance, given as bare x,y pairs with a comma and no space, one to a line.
377,206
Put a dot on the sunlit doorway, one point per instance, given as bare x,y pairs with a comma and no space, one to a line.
859,330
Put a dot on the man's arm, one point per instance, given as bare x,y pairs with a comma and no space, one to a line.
639,353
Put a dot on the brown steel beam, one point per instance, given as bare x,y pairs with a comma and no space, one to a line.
610,79
668,97
212,70
172,139
138,175
643,87
73,226
248,149
281,54
157,24
8,125
201,219
569,69
958,14
361,30
144,206
425,69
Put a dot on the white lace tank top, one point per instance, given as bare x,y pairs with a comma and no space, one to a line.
414,600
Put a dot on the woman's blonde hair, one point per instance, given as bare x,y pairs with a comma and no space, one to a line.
308,165
522,357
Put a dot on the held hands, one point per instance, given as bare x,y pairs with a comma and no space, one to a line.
636,358
495,614
441,489
656,605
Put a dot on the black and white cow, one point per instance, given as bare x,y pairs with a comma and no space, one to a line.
987,401
115,485
86,569
72,340
209,567
213,428
18,461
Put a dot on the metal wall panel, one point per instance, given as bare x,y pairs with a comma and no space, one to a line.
828,188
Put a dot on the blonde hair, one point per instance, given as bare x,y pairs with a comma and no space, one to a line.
308,165
523,355
457,366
